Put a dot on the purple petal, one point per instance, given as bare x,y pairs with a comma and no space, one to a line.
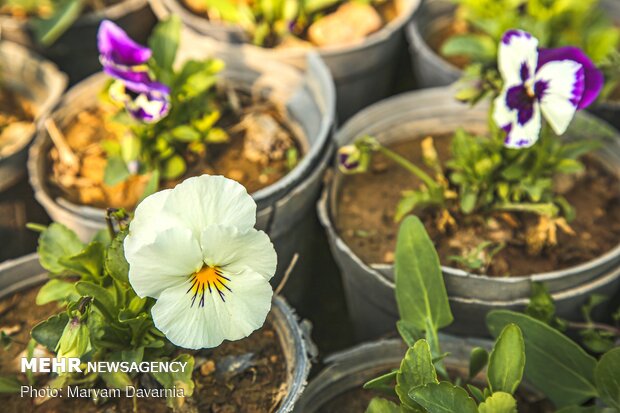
117,47
518,99
145,113
593,78
136,81
510,34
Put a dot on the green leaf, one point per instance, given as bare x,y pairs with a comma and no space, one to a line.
47,31
48,332
416,369
102,298
10,385
115,263
180,380
173,168
507,360
443,397
56,290
384,382
116,380
409,332
88,263
499,402
541,305
581,409
607,378
476,47
476,392
115,171
420,291
556,365
378,405
185,133
164,42
57,242
478,359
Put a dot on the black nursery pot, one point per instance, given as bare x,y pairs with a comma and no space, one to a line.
75,52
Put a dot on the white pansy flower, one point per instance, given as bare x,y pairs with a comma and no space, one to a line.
195,250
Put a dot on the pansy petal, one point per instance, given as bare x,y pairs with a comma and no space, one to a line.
518,135
148,107
594,79
137,81
149,217
517,57
207,200
559,87
115,45
235,251
168,260
207,324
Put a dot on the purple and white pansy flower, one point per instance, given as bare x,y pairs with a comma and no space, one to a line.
549,83
126,61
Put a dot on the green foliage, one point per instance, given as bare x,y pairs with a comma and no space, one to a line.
499,402
477,361
443,397
507,361
555,23
607,378
101,317
65,13
416,369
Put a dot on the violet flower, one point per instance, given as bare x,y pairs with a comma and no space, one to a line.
123,59
555,83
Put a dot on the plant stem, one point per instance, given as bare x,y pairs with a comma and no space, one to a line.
598,326
547,209
428,181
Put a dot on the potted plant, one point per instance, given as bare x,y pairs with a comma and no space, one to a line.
29,88
440,373
60,30
359,42
450,179
264,124
115,302
448,38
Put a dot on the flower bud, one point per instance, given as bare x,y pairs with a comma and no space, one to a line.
75,340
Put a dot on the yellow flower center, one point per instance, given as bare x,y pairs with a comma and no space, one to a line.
208,279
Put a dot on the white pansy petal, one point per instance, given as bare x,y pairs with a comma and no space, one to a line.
207,200
150,217
524,135
503,116
559,87
206,324
234,250
517,57
172,256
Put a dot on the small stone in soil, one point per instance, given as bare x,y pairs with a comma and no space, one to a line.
231,366
207,368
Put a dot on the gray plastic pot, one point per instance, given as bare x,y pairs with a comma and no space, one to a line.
432,70
369,288
363,73
41,83
75,52
350,369
283,207
26,272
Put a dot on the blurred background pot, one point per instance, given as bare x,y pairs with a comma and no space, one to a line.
75,52
363,73
369,288
41,84
26,272
285,208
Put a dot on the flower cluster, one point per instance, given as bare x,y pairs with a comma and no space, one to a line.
554,82
194,249
126,61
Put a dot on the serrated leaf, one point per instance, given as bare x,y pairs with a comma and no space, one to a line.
115,263
56,290
420,291
507,360
607,378
56,242
443,397
478,360
499,402
48,332
556,365
416,369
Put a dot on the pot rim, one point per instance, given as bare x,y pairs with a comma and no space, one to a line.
387,31
325,214
94,217
280,309
55,92
112,12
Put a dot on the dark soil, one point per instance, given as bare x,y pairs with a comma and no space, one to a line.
86,185
257,389
366,207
